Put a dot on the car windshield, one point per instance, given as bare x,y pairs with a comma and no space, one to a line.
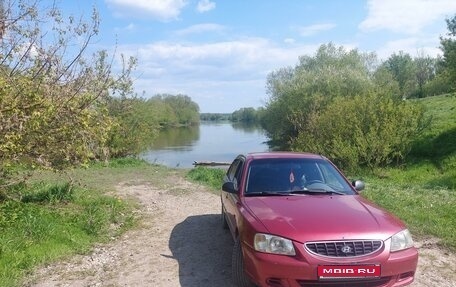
294,176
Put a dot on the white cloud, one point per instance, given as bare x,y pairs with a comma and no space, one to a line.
205,6
162,10
289,41
204,71
412,45
200,28
405,16
314,29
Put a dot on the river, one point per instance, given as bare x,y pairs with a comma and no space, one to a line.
210,141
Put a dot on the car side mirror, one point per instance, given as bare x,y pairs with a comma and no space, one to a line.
229,187
358,185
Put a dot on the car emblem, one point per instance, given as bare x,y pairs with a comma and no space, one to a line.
346,249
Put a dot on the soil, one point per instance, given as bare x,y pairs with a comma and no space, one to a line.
181,243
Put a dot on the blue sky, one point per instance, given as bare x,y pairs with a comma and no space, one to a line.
219,53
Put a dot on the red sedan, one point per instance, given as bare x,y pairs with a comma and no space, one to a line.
297,221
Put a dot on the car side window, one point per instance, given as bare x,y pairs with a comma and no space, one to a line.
234,172
238,173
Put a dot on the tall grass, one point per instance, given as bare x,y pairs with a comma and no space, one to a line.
51,219
211,177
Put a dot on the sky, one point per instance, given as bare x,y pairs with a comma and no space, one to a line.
220,52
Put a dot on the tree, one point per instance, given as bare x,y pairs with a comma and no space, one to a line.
402,68
247,115
448,47
53,92
425,69
296,93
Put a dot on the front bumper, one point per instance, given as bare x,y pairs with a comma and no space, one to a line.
269,270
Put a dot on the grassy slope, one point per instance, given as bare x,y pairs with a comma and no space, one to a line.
422,192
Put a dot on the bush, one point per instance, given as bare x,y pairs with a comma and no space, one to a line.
367,130
441,84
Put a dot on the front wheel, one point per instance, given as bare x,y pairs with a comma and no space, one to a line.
240,279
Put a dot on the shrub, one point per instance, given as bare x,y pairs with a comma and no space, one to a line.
367,130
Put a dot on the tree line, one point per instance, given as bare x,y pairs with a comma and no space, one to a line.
350,106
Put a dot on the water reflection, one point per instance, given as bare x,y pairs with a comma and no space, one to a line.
180,138
247,127
210,141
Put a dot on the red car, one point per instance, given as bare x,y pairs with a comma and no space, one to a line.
297,221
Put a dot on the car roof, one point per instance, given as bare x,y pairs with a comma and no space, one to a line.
283,154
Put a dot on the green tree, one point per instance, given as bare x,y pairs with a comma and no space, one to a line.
402,68
248,115
52,90
425,69
448,47
296,93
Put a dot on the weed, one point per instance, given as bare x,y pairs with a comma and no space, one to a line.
211,177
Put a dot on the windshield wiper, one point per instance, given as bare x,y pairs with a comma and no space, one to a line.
273,193
315,191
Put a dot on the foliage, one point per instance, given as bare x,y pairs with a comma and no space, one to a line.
175,110
138,121
336,103
212,177
439,85
248,115
52,94
402,67
296,93
364,130
136,127
425,70
448,47
215,117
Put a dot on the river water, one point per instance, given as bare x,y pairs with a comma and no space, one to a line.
221,142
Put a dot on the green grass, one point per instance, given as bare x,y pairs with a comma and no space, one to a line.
50,219
211,177
426,211
422,191
437,144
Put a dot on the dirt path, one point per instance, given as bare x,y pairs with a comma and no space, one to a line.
181,243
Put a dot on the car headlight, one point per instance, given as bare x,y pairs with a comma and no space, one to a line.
401,240
273,244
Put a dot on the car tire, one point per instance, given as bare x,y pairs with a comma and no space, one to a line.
223,219
240,279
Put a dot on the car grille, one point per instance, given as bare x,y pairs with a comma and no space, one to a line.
377,282
344,248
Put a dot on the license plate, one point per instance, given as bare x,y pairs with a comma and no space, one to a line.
345,271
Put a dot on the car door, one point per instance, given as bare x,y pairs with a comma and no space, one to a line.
230,200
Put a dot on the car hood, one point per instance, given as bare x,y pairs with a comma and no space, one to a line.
323,217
